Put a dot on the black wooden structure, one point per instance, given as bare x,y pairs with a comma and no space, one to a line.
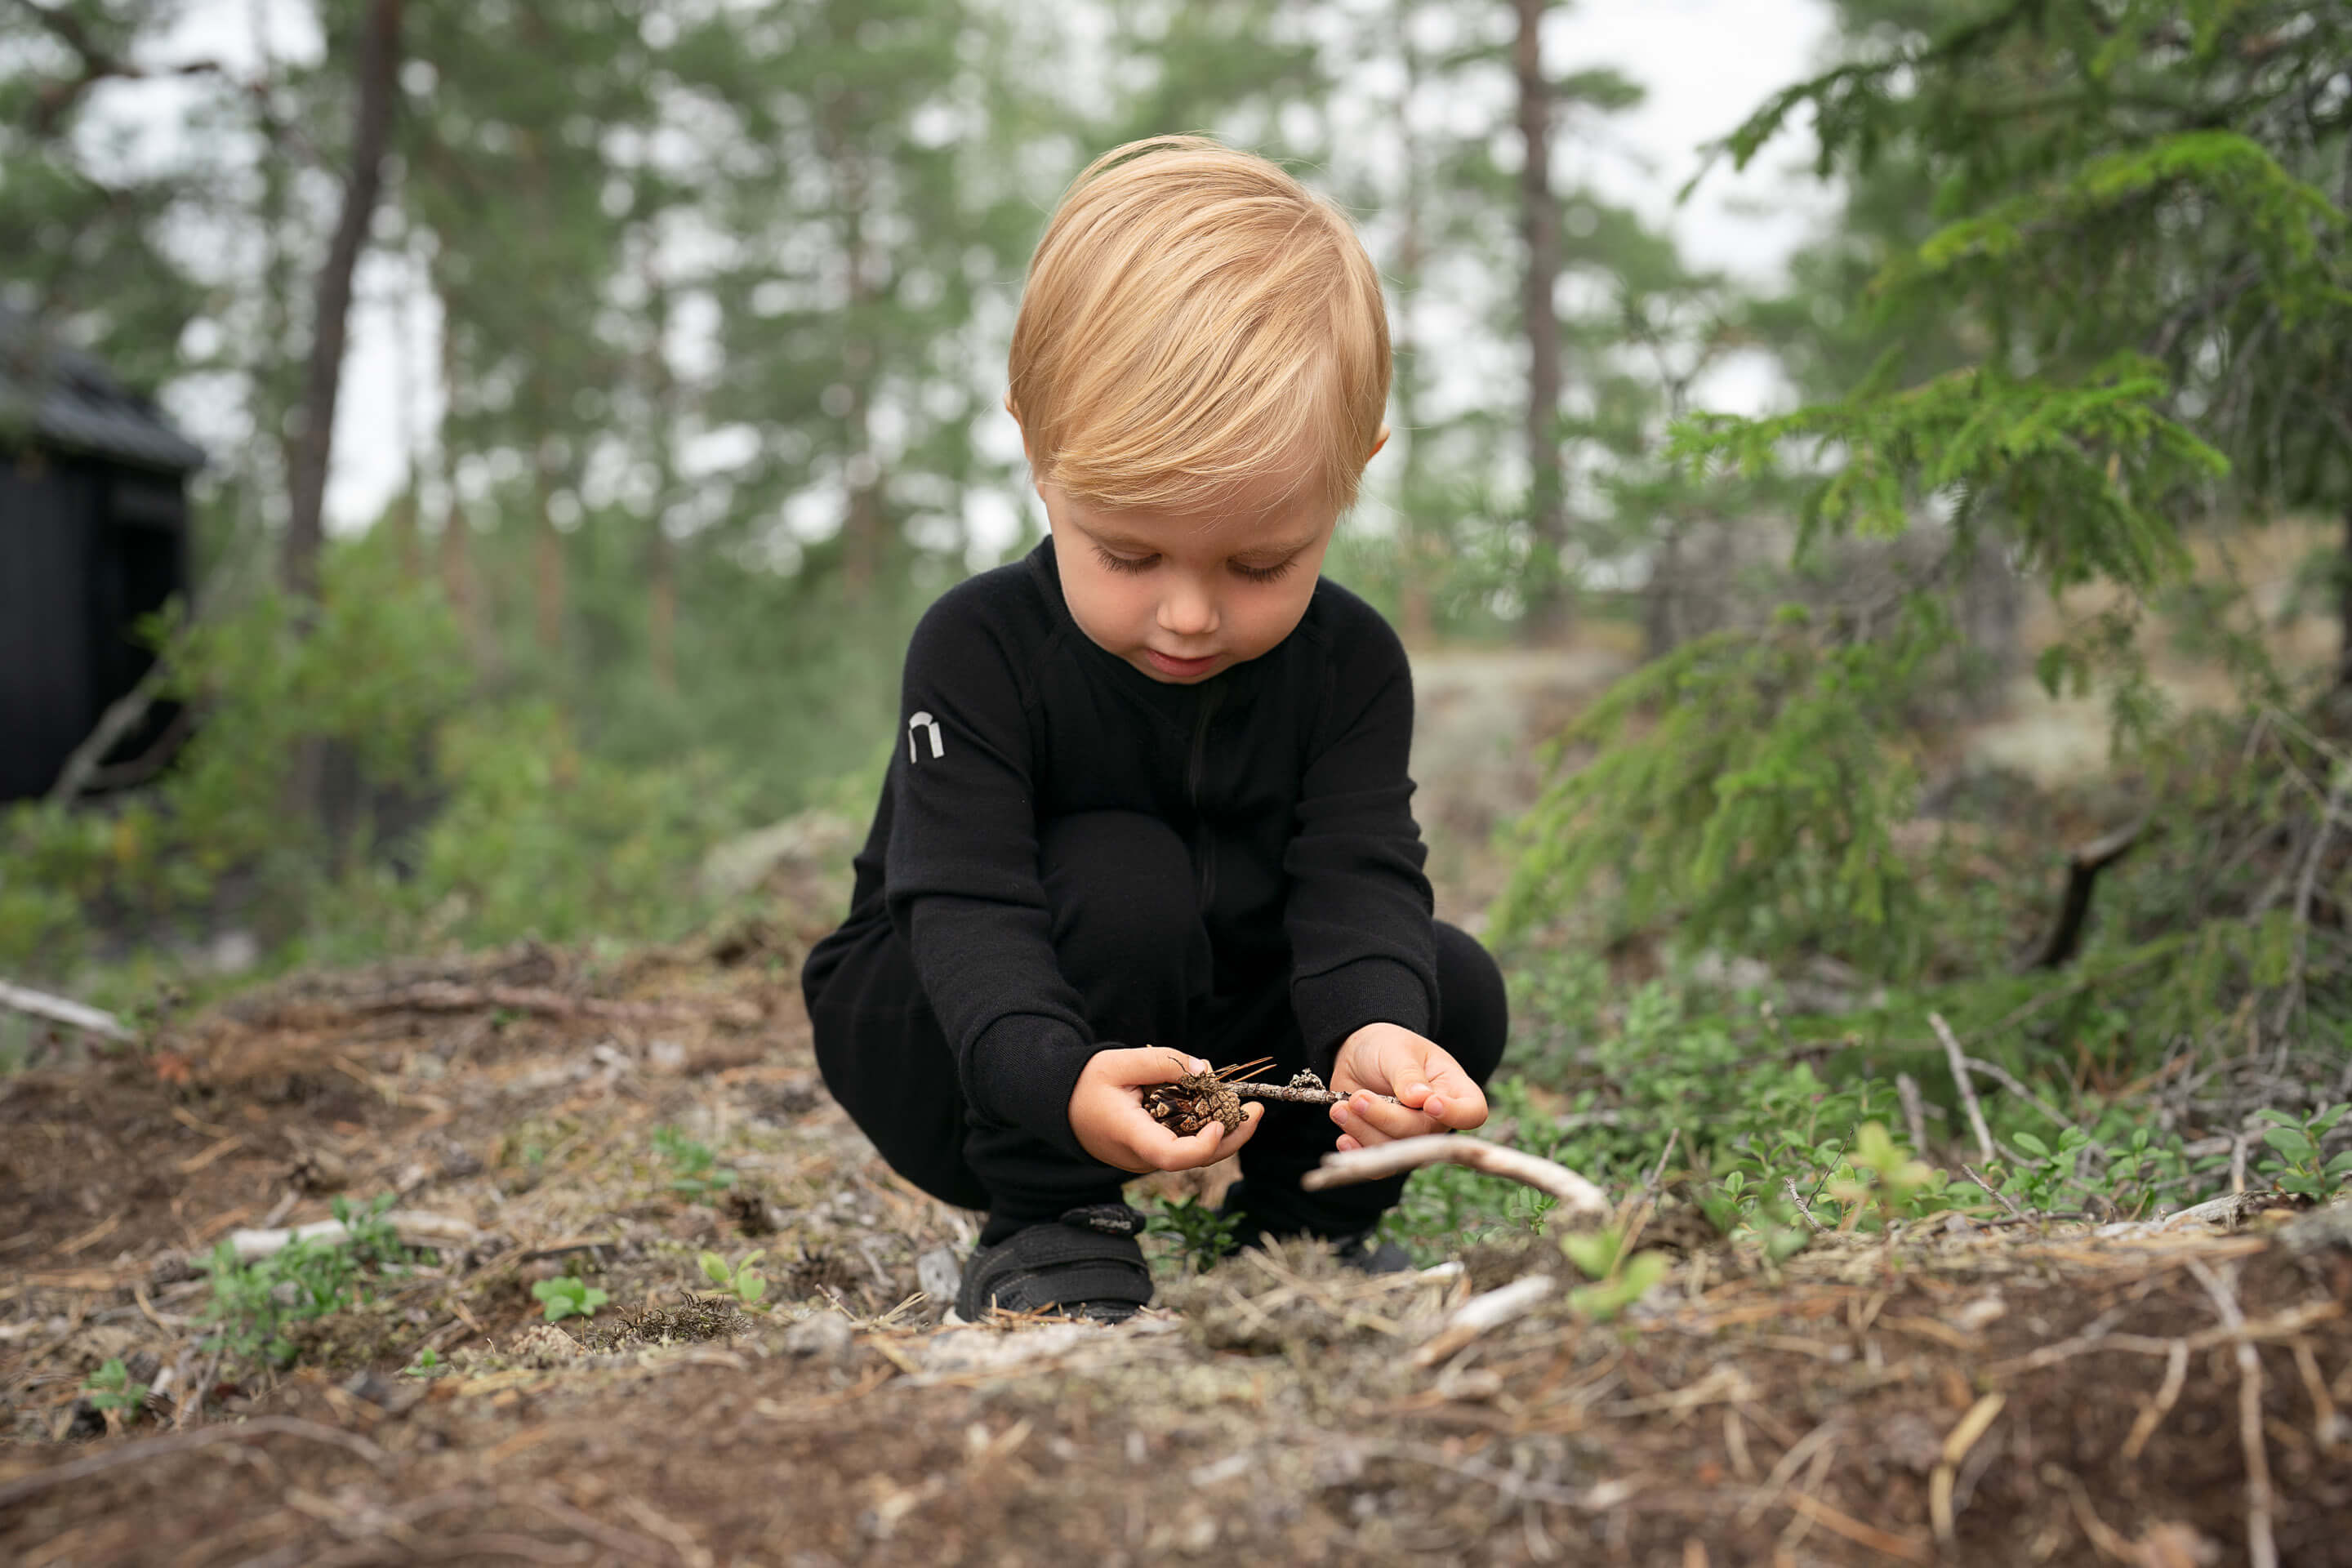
93,535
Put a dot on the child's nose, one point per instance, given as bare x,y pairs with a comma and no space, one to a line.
1188,610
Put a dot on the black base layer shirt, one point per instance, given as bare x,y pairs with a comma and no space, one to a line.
1287,776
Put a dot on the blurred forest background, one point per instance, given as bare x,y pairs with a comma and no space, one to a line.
1999,675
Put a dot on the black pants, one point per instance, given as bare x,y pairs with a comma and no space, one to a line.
1128,934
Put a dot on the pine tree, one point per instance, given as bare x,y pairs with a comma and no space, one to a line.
2132,311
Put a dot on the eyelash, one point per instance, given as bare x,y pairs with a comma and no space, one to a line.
1255,573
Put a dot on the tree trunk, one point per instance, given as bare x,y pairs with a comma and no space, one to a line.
2344,605
376,68
661,566
547,584
1540,226
863,523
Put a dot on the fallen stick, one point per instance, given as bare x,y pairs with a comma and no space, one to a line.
2262,1547
57,1010
34,1485
1479,1313
1349,1166
1968,1091
413,1228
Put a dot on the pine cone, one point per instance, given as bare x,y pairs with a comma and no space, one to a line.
1194,1102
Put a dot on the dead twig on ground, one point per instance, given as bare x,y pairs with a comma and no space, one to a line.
1346,1167
1480,1313
2176,1374
59,1010
415,1228
1915,1111
1994,1193
2262,1549
1953,1054
1956,1444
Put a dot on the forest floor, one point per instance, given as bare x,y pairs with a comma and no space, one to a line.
1959,1394
2165,1395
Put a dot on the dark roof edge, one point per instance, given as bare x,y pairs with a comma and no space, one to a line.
82,407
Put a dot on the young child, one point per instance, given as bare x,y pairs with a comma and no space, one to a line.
1150,805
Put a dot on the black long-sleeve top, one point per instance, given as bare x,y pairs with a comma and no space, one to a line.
1285,775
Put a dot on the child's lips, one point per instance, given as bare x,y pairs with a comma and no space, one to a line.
1174,666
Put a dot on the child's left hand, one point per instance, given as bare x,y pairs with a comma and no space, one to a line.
1431,1090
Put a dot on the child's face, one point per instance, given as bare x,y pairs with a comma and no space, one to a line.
1182,595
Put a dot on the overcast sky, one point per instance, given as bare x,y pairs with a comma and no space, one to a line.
1706,63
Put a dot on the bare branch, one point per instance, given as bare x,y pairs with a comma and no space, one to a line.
1349,1167
58,1010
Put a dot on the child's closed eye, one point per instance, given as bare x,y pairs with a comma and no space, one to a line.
1123,563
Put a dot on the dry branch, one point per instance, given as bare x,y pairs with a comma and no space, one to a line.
1483,1312
413,1228
58,1010
2082,868
1349,1167
2261,1548
1968,1091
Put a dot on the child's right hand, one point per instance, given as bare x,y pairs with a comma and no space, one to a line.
1108,1116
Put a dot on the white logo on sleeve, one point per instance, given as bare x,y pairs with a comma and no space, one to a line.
921,722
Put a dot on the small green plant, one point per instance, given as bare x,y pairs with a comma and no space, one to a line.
1619,1281
427,1364
2295,1164
698,1173
1896,1181
569,1297
2048,1172
741,1280
110,1388
1199,1235
254,1303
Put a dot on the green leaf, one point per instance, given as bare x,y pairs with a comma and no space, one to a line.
2289,1142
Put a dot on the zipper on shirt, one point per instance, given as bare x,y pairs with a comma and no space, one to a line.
1205,835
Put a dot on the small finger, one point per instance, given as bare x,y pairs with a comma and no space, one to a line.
1389,1117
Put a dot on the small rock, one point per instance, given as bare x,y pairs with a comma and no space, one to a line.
939,1273
1911,1440
2175,1546
824,1337
545,1345
666,1056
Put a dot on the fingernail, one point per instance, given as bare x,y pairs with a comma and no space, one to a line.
1418,1088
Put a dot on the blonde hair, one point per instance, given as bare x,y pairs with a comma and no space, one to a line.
1195,319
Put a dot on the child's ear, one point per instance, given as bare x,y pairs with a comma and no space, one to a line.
1027,454
1378,441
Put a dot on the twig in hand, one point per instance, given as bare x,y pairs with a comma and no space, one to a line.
34,1485
2260,1548
1305,1088
1995,1193
1968,1091
1346,1167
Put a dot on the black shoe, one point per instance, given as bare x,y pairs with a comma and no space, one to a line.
1085,1265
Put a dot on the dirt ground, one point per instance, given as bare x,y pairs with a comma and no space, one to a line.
1959,1394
